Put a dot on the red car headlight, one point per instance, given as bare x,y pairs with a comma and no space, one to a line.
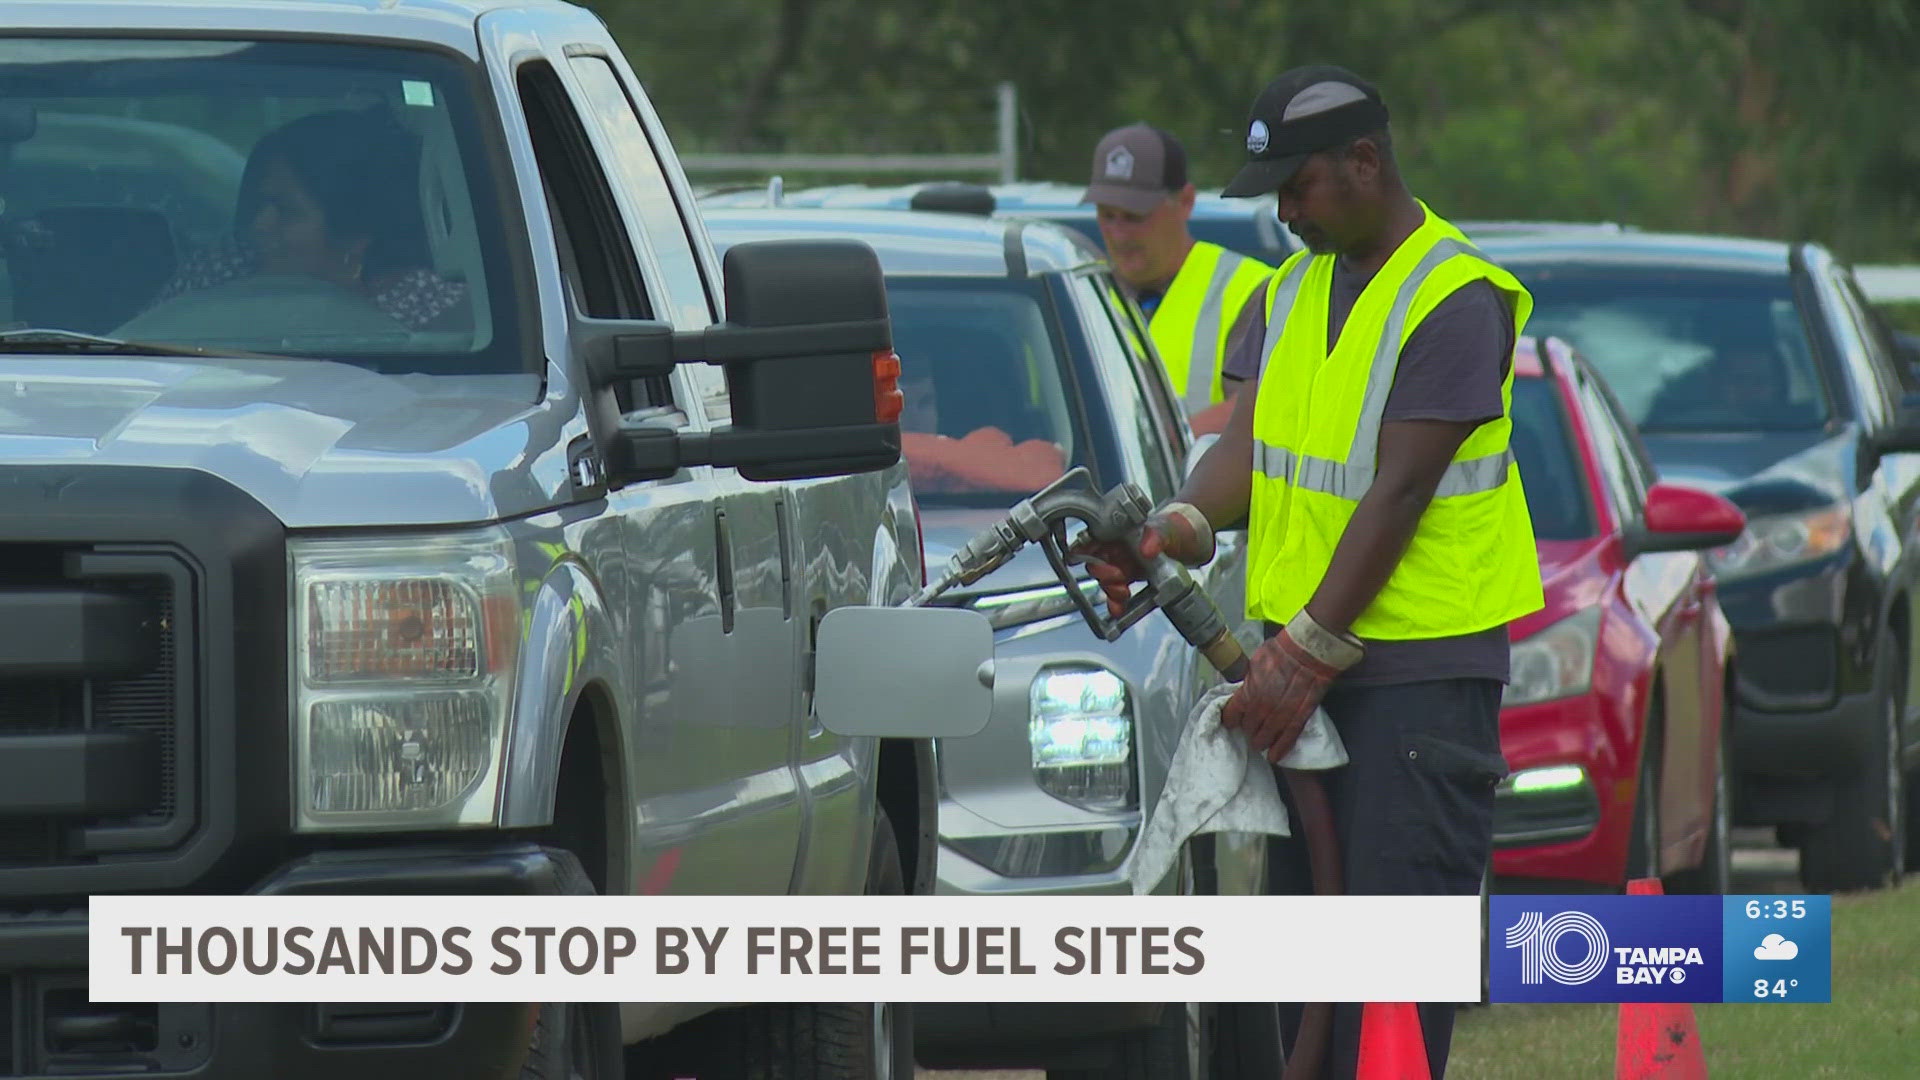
1555,662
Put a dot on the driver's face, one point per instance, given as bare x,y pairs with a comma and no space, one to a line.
289,230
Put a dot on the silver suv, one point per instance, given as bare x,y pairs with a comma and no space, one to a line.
371,524
1021,359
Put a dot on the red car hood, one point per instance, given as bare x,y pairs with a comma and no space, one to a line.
1573,575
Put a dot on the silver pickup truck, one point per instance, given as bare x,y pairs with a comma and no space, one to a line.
397,496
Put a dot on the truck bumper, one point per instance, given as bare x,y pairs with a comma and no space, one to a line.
51,1030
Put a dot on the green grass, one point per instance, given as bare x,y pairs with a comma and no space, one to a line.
1902,314
1871,1030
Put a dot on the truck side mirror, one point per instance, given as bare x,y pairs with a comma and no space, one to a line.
807,348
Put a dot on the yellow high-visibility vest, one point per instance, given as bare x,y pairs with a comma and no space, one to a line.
1190,327
1471,565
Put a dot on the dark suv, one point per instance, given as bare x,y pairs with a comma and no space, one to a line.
1759,370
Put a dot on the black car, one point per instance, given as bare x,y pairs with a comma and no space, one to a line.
1759,370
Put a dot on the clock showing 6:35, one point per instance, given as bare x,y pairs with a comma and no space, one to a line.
1778,948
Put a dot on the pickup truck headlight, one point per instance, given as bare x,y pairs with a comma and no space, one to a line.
404,656
1781,540
1555,662
1080,726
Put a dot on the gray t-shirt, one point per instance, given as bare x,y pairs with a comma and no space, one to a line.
1450,368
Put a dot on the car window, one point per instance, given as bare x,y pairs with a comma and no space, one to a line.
1150,376
1894,377
1625,493
988,417
1142,440
1550,470
637,164
1693,352
310,198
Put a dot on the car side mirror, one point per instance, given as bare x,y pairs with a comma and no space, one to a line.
1198,450
808,352
1681,518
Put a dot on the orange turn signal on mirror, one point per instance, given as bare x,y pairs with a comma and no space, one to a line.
888,401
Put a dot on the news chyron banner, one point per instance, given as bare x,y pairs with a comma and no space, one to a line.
1660,948
740,949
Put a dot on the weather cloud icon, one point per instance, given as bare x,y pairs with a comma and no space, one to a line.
1775,947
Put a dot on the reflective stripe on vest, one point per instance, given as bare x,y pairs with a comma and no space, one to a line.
1188,326
1201,372
1350,479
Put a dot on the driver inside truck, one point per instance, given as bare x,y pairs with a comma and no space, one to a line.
334,196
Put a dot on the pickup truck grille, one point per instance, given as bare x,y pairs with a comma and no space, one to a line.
79,703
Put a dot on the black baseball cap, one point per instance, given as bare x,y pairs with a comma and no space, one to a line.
1136,167
1301,113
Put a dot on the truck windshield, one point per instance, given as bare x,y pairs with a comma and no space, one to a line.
322,199
987,417
1719,352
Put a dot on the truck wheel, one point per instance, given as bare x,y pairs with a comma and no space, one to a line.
1177,1048
572,1040
797,1041
1714,875
1863,845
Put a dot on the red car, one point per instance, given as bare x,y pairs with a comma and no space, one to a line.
1612,724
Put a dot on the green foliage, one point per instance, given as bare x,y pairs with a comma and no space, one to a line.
1783,118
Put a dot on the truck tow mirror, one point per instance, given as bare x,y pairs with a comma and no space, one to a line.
807,348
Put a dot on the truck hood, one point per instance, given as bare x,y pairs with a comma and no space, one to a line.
317,443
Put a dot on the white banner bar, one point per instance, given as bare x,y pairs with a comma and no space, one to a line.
794,948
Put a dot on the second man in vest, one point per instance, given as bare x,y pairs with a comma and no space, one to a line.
1191,291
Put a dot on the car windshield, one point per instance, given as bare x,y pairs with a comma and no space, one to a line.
987,418
1558,499
1725,352
287,197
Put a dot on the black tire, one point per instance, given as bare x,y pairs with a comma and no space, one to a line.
1863,844
1177,1048
1643,850
1714,875
574,1041
797,1041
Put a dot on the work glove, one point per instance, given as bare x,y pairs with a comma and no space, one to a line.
1176,529
1287,677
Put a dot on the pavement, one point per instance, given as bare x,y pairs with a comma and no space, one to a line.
1759,866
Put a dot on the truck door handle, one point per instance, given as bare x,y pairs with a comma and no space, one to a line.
723,569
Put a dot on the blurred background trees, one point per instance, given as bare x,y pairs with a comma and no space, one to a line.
1778,118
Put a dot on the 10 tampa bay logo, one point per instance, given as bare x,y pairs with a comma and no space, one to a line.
1599,948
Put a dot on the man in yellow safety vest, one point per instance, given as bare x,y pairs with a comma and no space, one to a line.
1190,290
1389,541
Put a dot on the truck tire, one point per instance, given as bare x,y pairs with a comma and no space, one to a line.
574,1041
1863,844
797,1041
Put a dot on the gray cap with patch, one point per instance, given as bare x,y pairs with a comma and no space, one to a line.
1301,113
1136,168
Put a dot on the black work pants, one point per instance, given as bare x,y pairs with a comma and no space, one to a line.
1413,809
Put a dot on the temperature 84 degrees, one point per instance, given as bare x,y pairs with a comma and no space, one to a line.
1777,988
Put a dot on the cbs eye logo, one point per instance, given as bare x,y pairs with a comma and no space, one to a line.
1538,939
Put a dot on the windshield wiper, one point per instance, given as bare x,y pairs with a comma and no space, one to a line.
73,341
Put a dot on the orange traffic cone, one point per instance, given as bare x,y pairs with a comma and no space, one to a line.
1391,1045
1658,1039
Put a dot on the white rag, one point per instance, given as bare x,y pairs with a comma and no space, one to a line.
1217,783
